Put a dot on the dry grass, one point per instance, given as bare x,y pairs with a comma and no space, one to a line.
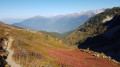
33,49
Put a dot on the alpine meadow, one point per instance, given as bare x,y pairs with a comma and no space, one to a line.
60,33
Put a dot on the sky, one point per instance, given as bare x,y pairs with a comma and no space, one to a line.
30,8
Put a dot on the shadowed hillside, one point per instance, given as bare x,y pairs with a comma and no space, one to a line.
100,33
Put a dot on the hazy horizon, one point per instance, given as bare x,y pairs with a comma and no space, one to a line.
51,15
31,8
18,20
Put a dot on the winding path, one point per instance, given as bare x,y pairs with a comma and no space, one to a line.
10,61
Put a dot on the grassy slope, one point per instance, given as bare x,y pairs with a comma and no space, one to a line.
30,45
57,35
35,49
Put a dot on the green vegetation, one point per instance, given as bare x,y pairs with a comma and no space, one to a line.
100,33
57,35
93,27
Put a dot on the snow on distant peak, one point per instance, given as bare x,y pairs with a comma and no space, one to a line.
87,12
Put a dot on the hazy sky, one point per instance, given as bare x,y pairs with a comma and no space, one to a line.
30,8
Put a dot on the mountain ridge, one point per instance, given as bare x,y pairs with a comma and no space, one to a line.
60,23
99,36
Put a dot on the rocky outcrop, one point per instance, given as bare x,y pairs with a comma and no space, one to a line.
6,53
108,18
3,53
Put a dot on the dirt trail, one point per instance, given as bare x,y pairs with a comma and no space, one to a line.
10,61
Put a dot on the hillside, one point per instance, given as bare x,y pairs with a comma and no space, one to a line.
34,49
100,33
57,35
60,23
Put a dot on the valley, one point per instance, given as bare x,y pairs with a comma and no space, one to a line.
62,33
60,23
43,50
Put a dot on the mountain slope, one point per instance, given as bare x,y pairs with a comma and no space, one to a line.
34,49
100,33
57,35
60,23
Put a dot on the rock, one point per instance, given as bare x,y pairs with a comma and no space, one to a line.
4,43
3,53
109,57
7,65
2,62
115,61
96,55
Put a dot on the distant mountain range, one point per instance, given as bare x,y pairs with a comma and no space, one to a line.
60,23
